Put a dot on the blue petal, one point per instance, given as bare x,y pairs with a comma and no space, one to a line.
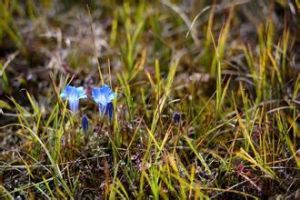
102,109
105,89
95,92
81,93
111,97
98,96
66,92
63,94
74,104
71,92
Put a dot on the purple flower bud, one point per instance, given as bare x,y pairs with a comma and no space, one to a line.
176,117
85,123
109,110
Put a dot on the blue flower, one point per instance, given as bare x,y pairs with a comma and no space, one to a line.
73,94
103,96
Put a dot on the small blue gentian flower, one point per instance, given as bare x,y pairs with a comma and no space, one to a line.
103,96
73,94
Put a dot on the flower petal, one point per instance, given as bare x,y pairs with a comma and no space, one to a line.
63,94
111,96
81,93
74,105
102,109
96,94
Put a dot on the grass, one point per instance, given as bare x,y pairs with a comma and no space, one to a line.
230,72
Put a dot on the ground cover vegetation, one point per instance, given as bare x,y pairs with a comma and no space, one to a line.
110,99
